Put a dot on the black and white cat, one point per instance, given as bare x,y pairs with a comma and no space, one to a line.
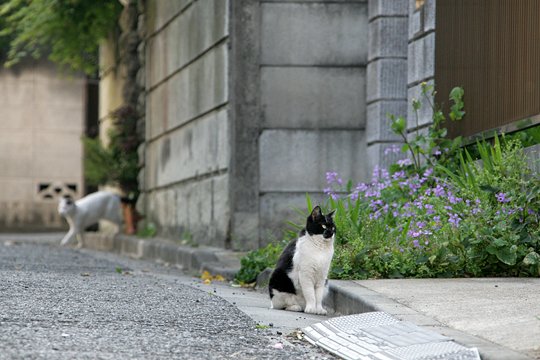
80,214
298,281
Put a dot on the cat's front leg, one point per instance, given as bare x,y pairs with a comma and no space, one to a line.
319,295
68,237
308,290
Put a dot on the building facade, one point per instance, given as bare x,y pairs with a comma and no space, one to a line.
41,124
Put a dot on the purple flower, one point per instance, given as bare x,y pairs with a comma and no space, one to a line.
439,191
404,162
453,199
392,149
421,224
416,243
501,197
398,175
332,177
428,172
361,187
454,219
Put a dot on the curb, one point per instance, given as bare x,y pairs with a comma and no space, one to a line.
191,259
345,301
344,297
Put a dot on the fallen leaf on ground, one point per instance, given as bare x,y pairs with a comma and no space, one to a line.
207,278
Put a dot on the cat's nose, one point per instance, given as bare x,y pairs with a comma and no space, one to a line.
327,234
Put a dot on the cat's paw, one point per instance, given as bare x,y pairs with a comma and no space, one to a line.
311,310
294,308
314,310
322,311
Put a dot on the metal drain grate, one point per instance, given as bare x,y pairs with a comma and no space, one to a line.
378,335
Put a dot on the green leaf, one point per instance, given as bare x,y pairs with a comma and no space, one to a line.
499,242
405,148
398,125
309,203
457,93
507,255
416,104
531,258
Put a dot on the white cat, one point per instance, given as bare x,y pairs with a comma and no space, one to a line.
299,279
88,211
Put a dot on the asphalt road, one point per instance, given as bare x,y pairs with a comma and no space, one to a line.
58,303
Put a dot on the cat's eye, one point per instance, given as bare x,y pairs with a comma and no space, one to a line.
324,226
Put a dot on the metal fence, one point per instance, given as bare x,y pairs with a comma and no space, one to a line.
492,49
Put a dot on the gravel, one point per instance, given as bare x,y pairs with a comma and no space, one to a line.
58,303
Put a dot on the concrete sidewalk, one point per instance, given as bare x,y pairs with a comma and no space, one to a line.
500,317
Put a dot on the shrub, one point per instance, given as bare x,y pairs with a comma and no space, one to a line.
256,261
440,212
118,163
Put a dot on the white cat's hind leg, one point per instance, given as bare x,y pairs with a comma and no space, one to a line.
287,301
80,242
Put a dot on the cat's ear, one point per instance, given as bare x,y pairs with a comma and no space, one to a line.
331,214
316,213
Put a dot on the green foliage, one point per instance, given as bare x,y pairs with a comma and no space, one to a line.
68,31
423,145
118,163
148,230
443,216
256,261
98,162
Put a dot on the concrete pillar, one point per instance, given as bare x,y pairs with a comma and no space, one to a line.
386,77
421,50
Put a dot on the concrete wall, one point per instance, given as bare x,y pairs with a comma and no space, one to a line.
41,123
313,58
187,148
248,104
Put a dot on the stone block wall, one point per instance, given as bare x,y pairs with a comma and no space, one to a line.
387,76
421,59
41,124
248,104
187,148
313,58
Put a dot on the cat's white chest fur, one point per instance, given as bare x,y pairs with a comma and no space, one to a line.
312,259
87,211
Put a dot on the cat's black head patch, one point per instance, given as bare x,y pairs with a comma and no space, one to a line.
320,224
